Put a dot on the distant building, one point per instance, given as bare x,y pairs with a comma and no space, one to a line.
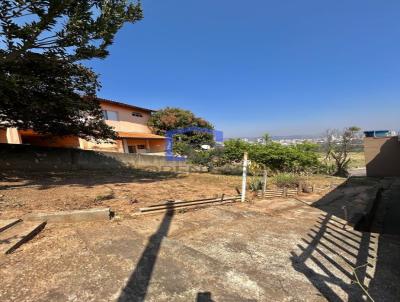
130,123
382,153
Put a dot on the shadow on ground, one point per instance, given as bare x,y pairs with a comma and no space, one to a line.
341,262
137,286
83,178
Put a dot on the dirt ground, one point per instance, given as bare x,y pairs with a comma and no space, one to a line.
271,250
123,191
264,250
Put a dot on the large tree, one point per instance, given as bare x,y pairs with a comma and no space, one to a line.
175,118
42,49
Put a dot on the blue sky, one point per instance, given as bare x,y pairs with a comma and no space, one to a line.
283,67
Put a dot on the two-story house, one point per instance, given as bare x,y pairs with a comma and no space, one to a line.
130,123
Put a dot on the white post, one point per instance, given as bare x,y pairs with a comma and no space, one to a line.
244,183
125,145
264,183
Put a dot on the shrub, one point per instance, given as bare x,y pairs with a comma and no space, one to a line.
287,180
233,151
205,158
301,158
256,184
201,158
182,148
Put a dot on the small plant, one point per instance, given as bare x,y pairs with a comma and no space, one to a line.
256,184
103,197
287,180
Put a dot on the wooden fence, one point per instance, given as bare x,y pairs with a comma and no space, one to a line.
282,192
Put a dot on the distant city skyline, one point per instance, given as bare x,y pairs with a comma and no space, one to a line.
283,67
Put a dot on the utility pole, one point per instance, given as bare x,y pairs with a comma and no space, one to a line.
244,182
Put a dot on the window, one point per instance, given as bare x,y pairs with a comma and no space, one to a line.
141,147
137,114
131,149
110,115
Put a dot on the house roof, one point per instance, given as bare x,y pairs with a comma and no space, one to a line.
139,135
124,105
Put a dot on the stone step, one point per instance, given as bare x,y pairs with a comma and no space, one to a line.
5,224
15,236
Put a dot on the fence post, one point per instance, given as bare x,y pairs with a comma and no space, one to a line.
300,188
284,192
346,216
264,183
244,180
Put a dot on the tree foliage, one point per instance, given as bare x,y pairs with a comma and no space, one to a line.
266,138
274,156
175,118
42,78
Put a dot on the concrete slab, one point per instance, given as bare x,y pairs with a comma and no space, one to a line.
279,250
71,216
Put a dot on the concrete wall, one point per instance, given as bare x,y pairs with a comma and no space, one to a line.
34,158
382,156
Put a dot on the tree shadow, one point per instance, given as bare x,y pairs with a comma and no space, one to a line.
45,180
41,167
137,286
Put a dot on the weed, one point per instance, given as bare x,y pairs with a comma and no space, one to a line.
103,197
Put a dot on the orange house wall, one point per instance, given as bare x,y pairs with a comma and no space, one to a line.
156,145
3,136
126,122
45,141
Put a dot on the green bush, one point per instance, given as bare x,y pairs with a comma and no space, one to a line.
274,156
256,184
288,180
201,158
277,158
206,158
182,148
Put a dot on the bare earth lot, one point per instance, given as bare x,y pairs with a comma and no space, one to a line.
123,191
267,250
